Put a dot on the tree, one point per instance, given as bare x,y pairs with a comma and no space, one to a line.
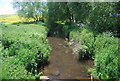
58,14
35,10
102,17
80,11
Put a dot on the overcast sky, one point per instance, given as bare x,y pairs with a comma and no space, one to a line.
6,7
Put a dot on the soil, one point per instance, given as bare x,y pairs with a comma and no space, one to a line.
64,64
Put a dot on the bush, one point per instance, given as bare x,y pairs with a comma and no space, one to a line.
74,34
103,48
106,57
25,43
11,70
87,39
107,63
103,41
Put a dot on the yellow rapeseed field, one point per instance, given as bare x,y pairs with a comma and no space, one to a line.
12,19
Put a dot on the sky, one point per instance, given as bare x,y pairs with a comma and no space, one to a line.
6,7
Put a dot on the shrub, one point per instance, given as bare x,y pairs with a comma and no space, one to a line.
74,34
11,70
103,41
25,44
103,48
87,39
107,57
107,63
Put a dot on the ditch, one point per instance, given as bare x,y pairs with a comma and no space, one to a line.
63,64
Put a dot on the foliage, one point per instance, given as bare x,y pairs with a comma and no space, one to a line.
107,57
104,48
107,63
86,39
105,17
24,43
11,70
79,11
101,16
58,13
102,41
62,18
35,10
70,29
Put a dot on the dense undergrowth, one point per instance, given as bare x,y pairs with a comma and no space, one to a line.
22,46
103,48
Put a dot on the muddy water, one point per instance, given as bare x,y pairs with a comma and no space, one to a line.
64,64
